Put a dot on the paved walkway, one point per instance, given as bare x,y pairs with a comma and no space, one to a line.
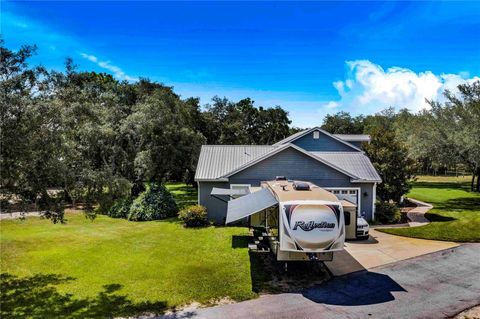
437,285
417,215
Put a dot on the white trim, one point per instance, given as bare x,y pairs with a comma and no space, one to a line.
359,195
374,198
212,180
198,193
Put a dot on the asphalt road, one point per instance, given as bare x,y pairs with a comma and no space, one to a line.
437,285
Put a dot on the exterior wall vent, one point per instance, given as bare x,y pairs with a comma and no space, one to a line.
280,178
316,135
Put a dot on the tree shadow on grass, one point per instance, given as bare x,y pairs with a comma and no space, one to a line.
462,203
438,218
37,297
443,185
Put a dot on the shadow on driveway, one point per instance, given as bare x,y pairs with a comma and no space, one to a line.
361,288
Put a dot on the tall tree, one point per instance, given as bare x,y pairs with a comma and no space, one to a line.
389,156
343,123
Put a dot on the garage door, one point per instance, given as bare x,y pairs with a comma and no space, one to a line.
347,194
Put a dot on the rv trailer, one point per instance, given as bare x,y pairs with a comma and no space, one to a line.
301,220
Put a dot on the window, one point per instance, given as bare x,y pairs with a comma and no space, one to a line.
344,192
353,192
336,192
240,186
316,135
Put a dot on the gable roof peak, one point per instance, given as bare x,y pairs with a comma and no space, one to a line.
300,134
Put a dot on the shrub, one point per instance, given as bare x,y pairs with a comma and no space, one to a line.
387,212
154,203
194,216
120,208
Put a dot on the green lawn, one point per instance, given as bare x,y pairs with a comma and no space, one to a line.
456,212
117,266
184,194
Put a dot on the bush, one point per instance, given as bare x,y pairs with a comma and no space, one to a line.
154,203
387,212
120,208
194,216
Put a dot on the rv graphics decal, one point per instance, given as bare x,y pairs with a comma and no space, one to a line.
311,225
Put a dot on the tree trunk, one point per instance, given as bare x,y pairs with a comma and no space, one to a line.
478,179
473,181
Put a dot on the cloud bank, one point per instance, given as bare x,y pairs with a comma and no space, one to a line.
117,71
368,88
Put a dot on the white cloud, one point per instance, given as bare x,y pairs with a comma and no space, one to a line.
369,88
117,71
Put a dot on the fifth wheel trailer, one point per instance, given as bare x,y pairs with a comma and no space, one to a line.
302,220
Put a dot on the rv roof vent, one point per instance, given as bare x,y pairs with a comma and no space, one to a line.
280,178
301,186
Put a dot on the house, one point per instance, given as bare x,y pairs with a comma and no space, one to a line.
334,162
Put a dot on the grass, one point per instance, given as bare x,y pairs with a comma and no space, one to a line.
456,210
151,265
184,194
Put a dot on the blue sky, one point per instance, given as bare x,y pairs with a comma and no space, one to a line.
311,58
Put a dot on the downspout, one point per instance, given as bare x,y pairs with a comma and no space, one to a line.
374,198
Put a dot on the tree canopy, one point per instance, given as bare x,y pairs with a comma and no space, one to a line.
100,139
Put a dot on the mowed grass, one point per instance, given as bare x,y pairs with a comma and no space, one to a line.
185,195
155,262
456,210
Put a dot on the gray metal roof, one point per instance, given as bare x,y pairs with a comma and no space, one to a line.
353,137
356,163
218,160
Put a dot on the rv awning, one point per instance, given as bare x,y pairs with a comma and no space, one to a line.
228,192
249,204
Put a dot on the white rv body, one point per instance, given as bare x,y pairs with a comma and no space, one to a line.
311,226
301,220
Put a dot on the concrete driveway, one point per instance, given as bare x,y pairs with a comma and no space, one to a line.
437,285
381,249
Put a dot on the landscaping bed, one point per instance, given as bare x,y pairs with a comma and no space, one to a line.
455,215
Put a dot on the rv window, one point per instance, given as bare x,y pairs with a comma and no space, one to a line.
239,186
347,218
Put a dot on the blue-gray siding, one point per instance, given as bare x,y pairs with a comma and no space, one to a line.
292,164
323,144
